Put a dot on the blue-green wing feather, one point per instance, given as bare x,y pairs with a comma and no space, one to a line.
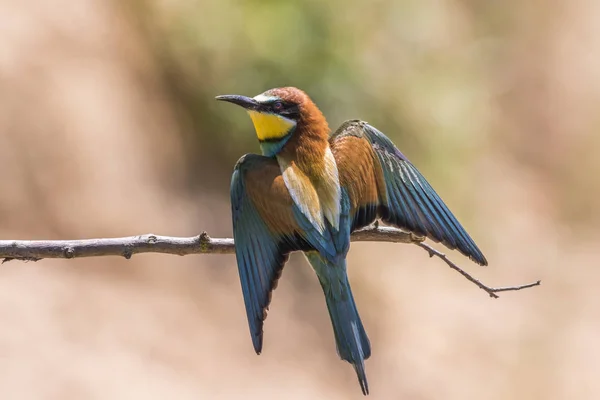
333,244
260,254
323,242
409,201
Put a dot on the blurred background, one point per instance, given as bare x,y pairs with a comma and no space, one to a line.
108,127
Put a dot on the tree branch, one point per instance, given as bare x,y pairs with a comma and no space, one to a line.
35,250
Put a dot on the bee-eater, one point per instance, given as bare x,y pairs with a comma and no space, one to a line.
308,191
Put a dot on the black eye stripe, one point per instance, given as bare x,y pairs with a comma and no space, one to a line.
293,108
282,107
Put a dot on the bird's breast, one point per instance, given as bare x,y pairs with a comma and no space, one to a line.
315,192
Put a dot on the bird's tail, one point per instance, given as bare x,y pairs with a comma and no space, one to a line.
351,339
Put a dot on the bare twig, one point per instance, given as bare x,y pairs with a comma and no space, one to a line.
490,290
35,250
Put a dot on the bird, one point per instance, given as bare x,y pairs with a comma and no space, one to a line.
308,191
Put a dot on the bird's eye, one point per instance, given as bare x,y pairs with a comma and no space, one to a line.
277,106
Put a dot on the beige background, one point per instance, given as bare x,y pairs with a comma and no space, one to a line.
108,128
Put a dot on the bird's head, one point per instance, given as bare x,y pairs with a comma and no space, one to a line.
277,114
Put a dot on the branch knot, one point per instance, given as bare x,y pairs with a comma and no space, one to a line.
69,252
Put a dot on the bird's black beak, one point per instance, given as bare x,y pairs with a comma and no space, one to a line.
243,101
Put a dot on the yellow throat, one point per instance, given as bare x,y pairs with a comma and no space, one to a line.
270,126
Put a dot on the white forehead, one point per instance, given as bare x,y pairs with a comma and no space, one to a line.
262,98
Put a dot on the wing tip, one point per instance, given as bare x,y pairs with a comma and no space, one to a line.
480,259
472,252
257,341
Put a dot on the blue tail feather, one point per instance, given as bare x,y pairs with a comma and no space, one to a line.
350,336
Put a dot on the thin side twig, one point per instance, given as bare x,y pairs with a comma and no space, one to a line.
35,250
489,290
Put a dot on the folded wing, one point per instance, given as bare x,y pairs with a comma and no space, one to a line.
263,229
381,182
267,226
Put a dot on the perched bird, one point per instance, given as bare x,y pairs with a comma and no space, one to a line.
309,191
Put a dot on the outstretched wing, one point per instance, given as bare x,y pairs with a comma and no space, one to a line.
381,182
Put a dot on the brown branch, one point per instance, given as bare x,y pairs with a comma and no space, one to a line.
490,290
35,250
